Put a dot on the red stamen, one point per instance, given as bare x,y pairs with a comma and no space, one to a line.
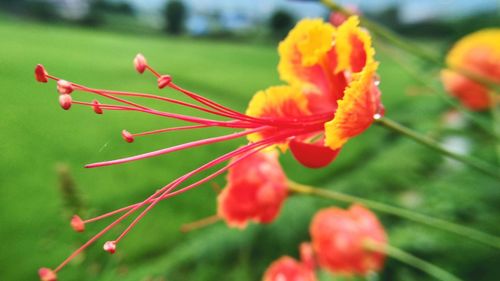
140,63
164,80
64,87
110,247
40,74
128,137
96,106
47,274
65,101
171,149
77,224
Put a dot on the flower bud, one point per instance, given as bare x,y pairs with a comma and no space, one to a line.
338,238
287,268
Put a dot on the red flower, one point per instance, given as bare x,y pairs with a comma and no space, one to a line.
339,237
256,188
288,269
332,96
479,54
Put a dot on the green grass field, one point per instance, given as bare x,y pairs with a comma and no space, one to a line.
37,136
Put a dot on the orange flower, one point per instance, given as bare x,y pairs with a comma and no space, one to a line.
338,238
255,190
332,89
479,54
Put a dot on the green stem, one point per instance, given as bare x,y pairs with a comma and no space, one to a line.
412,260
477,164
408,68
472,234
411,48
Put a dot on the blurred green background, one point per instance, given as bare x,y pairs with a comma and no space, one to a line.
43,150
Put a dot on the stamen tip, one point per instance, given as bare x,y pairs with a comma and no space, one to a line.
96,106
110,247
41,74
64,87
140,63
164,80
65,101
47,274
77,224
127,136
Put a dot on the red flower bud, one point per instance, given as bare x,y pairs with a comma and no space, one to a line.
339,237
255,191
288,269
40,74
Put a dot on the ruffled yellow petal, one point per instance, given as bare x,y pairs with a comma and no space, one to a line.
304,47
486,39
356,110
354,46
276,103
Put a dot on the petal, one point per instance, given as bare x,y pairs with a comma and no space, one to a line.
312,155
276,103
471,94
356,110
478,52
302,50
354,46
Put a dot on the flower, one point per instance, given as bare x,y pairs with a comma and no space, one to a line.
332,89
332,96
288,269
478,54
256,188
339,240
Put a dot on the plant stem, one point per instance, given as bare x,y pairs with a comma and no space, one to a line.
477,164
397,40
411,260
472,234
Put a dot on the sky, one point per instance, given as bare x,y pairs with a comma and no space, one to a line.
410,10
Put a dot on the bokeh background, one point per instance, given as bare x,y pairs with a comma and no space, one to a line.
225,50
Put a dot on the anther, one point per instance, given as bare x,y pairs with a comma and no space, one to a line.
164,80
64,87
127,136
40,74
65,101
110,247
77,224
97,107
140,63
47,274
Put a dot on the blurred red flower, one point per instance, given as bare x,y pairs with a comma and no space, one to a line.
256,188
339,236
